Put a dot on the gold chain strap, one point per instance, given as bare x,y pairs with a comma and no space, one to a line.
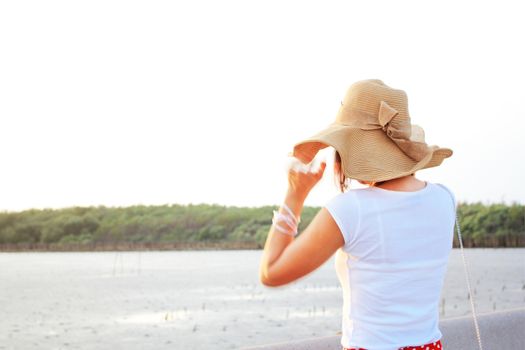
467,274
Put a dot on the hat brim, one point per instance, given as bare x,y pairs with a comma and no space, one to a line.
367,155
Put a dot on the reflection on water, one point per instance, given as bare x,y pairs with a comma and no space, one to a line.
183,300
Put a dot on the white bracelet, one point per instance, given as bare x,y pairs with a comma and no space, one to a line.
288,218
279,217
285,231
290,212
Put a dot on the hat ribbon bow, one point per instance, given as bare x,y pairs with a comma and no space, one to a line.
409,138
393,125
399,130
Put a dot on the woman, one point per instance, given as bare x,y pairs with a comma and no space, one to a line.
392,238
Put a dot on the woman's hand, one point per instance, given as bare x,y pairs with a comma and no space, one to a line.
301,183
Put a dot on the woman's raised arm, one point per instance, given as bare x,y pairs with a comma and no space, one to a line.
286,258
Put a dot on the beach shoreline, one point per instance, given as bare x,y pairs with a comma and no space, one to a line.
132,247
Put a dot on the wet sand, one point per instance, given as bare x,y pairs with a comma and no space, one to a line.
191,299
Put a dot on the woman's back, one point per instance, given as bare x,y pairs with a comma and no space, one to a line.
392,247
393,263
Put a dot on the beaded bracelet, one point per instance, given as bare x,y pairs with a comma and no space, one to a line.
288,218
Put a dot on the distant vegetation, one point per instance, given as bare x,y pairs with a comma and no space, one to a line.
207,226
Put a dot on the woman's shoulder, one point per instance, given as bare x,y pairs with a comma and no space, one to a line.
351,194
448,190
445,187
346,198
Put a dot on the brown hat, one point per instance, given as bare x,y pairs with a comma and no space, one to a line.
373,135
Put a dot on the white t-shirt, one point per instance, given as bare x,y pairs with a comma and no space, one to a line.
393,263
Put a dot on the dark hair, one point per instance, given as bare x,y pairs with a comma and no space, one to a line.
340,177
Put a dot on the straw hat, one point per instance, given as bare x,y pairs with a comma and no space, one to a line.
373,135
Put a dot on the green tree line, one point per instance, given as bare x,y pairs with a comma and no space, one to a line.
494,225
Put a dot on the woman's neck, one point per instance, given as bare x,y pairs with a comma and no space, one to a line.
405,183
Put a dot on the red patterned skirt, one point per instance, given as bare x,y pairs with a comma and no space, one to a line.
430,346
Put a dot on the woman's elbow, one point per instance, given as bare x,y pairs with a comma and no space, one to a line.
264,279
269,281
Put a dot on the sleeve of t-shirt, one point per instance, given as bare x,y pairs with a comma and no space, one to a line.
452,195
454,198
344,208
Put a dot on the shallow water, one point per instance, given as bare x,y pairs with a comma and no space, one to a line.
185,300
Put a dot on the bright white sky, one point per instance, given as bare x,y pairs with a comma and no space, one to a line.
153,102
